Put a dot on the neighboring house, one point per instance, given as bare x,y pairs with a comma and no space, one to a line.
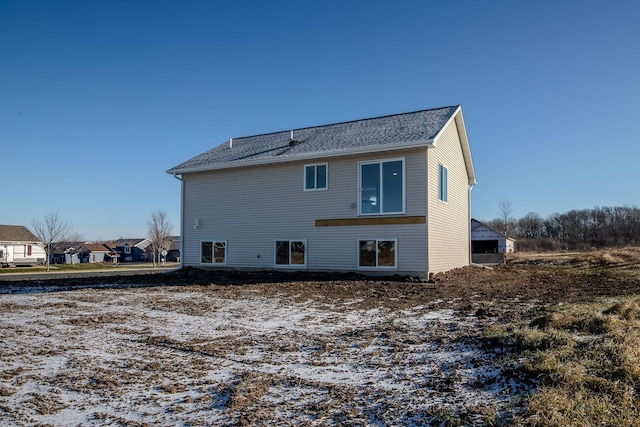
382,195
78,253
112,255
95,253
132,249
173,251
489,245
67,252
18,246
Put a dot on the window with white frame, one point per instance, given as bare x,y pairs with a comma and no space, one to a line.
381,187
378,253
443,183
213,252
290,252
316,177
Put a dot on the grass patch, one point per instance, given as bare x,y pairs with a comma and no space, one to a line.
586,358
84,267
57,267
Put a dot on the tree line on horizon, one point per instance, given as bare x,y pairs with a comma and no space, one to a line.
578,229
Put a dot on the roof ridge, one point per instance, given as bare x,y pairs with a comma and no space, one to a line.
345,122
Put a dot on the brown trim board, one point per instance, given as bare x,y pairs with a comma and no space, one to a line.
383,220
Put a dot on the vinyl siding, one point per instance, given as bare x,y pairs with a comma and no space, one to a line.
251,207
449,223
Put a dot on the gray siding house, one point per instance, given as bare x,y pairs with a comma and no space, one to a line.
382,195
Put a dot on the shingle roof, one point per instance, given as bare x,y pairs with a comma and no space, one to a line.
96,247
372,134
16,233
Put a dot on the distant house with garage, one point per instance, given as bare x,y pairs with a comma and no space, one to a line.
132,250
78,253
173,249
489,245
95,252
383,195
19,247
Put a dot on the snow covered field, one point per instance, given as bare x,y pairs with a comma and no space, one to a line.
210,355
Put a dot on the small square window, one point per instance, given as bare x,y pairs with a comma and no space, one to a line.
316,177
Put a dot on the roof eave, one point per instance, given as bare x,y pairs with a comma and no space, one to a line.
425,143
464,141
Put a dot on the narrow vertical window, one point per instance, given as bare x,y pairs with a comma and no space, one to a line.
28,250
220,252
206,252
443,183
315,177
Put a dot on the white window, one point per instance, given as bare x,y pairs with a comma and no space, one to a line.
377,253
316,177
290,253
127,249
443,183
381,187
213,252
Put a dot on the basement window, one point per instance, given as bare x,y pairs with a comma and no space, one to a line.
377,253
290,253
213,252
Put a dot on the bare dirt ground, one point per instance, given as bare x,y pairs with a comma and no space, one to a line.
203,348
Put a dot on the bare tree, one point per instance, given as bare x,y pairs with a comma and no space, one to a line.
506,218
158,230
76,237
530,225
50,230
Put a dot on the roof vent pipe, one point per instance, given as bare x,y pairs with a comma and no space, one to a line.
291,135
230,142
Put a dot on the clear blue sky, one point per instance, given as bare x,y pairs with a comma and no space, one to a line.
99,98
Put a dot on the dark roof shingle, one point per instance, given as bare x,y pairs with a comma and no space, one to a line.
374,133
16,233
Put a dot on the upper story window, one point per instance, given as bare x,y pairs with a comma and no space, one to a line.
316,177
127,249
382,187
443,184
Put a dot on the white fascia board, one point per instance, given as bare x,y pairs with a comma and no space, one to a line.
464,140
424,143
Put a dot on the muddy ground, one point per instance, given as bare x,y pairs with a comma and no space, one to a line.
527,280
223,348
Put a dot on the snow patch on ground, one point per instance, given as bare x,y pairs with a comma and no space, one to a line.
191,356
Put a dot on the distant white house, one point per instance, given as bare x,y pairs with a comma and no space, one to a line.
18,246
381,195
489,245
